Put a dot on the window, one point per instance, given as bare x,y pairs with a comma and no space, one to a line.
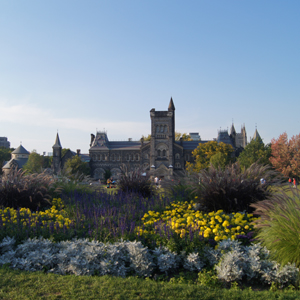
187,157
177,165
128,157
137,158
113,157
164,153
166,128
158,153
177,156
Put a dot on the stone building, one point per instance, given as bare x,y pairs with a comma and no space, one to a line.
4,142
19,158
162,156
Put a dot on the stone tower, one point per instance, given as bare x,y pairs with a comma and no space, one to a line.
162,139
56,163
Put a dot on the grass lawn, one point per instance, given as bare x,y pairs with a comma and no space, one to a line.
37,285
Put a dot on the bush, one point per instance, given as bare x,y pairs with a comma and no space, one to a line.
29,191
135,181
279,226
233,189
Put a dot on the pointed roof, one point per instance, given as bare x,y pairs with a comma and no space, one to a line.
171,105
57,142
256,135
232,130
20,150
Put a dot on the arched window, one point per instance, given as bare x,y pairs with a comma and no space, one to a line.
157,128
113,157
118,157
158,153
164,153
177,156
146,156
128,157
98,157
137,157
166,128
187,157
161,128
177,165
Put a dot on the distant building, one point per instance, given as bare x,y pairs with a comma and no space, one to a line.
58,161
4,142
18,159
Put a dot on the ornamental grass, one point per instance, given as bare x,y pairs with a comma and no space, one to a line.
278,225
234,189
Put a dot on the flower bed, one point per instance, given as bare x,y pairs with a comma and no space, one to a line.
184,220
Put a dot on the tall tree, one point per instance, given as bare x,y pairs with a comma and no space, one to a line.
204,152
255,151
5,155
34,163
76,165
286,155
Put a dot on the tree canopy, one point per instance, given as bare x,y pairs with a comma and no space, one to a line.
204,153
285,156
36,163
255,151
76,165
5,155
184,136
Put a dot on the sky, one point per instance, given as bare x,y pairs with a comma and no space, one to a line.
75,67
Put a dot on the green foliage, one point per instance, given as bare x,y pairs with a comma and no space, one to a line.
135,182
146,138
204,152
255,151
5,155
220,160
68,183
233,189
76,165
34,163
29,191
209,278
279,226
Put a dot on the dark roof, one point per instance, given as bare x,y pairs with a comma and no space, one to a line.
20,162
57,142
171,105
20,150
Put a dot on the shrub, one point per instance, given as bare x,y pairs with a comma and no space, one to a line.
135,181
279,226
29,191
233,189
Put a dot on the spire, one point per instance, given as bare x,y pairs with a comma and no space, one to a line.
171,105
232,130
256,135
57,142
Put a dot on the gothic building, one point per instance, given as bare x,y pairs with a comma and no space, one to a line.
161,156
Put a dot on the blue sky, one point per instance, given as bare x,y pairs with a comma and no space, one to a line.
78,66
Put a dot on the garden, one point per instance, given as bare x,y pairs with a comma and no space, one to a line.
218,232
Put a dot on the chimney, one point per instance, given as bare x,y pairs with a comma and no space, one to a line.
78,152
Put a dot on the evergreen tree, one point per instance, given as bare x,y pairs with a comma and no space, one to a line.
255,151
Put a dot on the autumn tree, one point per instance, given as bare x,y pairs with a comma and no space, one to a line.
205,151
255,151
285,156
184,136
76,165
146,138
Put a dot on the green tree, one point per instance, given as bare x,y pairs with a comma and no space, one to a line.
76,165
5,155
34,163
204,152
220,159
255,151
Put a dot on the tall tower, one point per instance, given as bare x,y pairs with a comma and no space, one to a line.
56,162
162,137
